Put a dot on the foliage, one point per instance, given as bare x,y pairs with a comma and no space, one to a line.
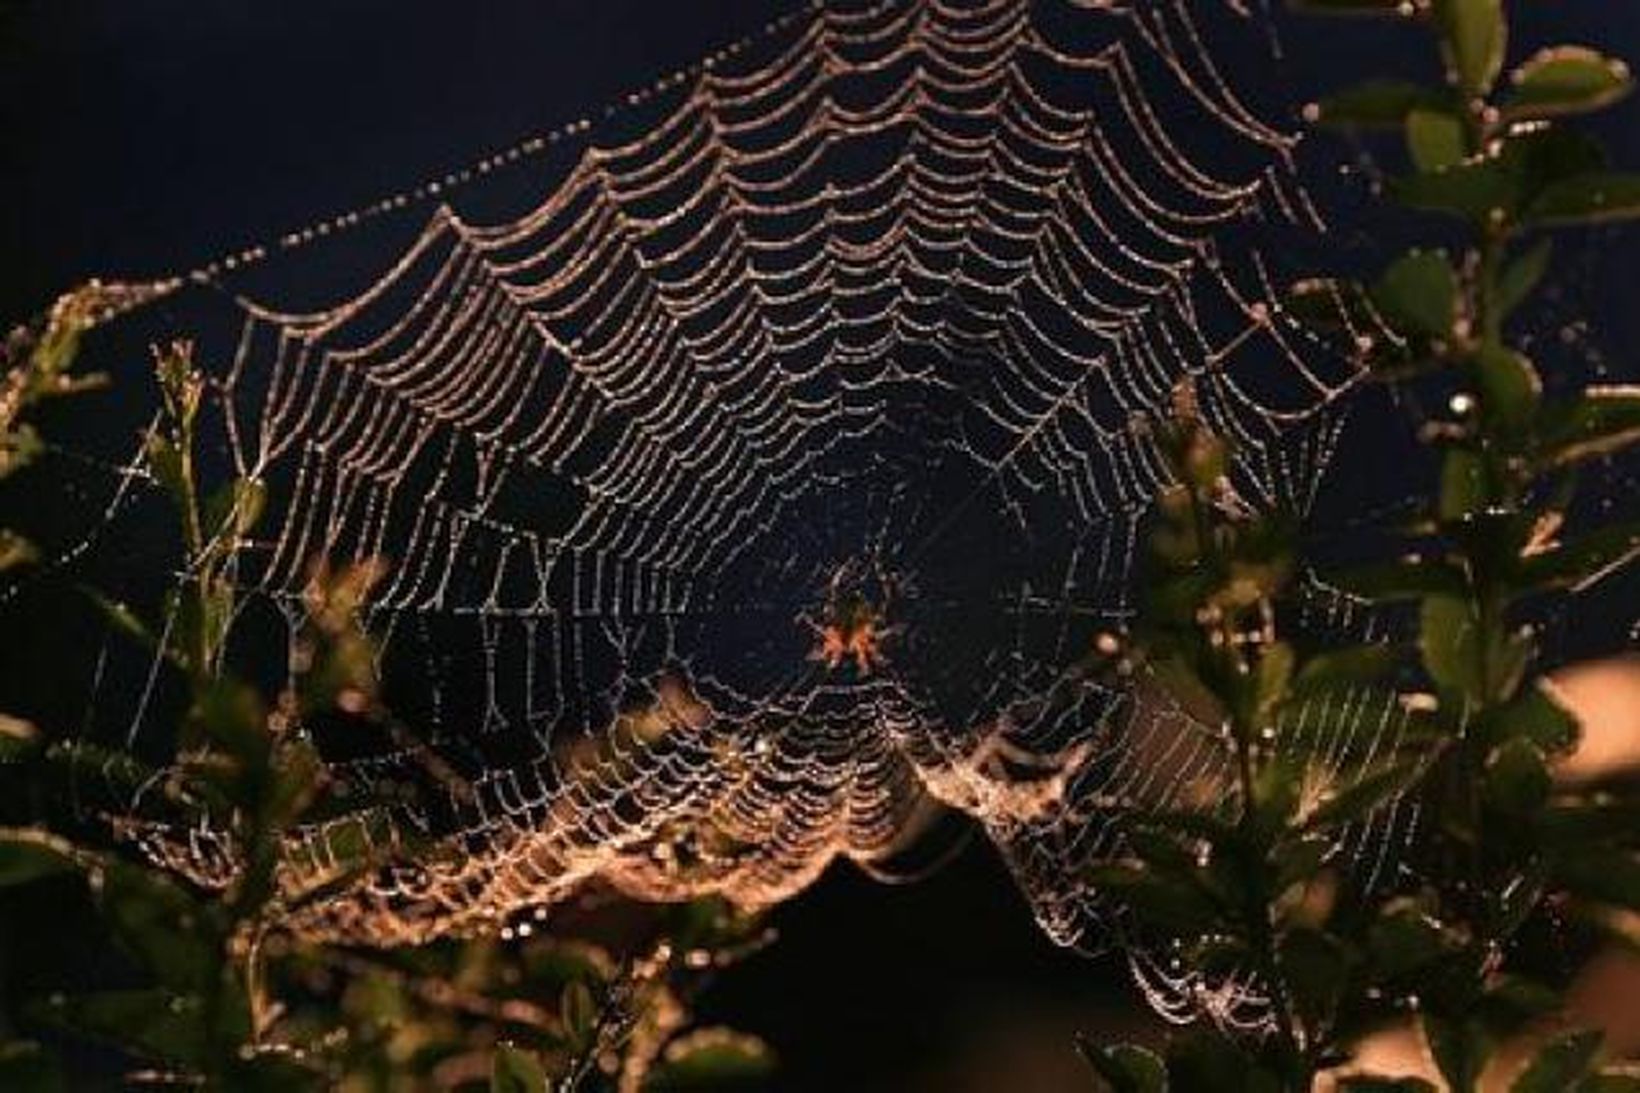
1251,885
208,989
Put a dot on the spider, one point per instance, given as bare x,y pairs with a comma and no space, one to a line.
851,628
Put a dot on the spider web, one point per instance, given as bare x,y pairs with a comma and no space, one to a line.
889,292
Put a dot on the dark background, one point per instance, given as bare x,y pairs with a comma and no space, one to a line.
144,137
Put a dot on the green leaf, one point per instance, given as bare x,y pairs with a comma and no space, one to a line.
28,853
1601,422
26,1067
1345,669
1614,1080
1435,139
152,1023
1577,823
1602,197
713,1058
160,924
1404,940
1496,189
1127,1068
1535,716
1509,387
1512,1002
1465,484
1366,793
1404,580
1419,292
1459,1047
1448,641
166,464
1375,104
1600,873
1559,1064
578,1011
235,509
18,738
1522,275
19,446
1274,673
513,1070
1475,35
1165,902
1565,80
16,551
1314,966
1517,780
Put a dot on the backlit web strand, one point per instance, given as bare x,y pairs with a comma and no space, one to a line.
894,291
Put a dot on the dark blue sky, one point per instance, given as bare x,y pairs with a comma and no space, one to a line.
143,138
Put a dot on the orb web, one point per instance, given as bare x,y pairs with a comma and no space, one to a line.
883,298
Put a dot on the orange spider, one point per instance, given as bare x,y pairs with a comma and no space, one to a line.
856,638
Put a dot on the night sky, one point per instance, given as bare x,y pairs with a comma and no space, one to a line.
142,138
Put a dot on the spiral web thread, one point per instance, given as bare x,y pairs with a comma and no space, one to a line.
886,296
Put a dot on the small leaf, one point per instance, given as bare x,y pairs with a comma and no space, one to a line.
16,551
1408,580
713,1058
151,1023
160,924
1127,1068
1532,715
1314,965
513,1070
28,853
1604,197
1602,874
1522,275
1275,672
19,446
1475,37
1465,484
1559,1064
1376,104
1345,669
1565,80
1366,793
1435,139
1419,292
1448,642
26,1067
1517,781
1166,903
1459,1047
1404,940
1509,387
579,1013
18,738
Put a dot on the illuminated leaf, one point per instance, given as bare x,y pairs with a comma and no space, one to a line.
1127,1068
1559,1064
1435,139
1376,104
1565,80
1475,37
